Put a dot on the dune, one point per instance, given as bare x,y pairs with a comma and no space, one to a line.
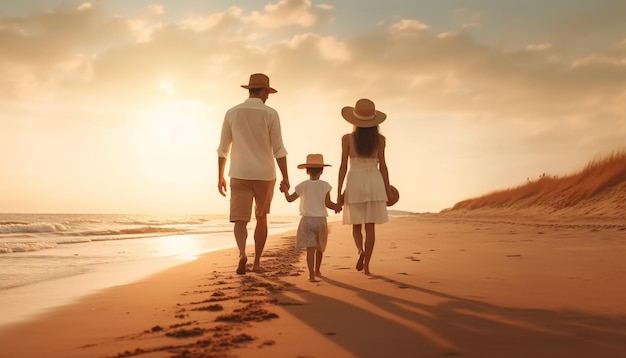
596,193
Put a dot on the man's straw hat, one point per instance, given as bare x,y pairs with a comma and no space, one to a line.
259,80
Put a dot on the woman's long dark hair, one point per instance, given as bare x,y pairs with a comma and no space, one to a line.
366,140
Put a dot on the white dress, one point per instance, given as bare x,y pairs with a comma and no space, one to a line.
365,197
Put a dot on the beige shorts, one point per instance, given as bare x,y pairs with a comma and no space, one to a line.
244,192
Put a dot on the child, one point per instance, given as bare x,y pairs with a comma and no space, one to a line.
367,181
314,197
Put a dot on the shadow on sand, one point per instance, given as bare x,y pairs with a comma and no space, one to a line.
385,325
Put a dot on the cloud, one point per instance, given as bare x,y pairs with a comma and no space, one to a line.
447,89
290,13
539,47
407,26
84,6
216,21
156,10
90,53
314,48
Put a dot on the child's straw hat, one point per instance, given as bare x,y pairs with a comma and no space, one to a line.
313,161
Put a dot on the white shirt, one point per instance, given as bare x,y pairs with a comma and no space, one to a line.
312,195
251,133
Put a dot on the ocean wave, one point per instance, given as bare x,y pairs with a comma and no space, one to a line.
162,222
9,247
131,231
9,227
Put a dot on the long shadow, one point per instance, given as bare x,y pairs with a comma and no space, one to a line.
456,326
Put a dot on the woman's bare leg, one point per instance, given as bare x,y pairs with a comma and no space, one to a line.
370,239
358,241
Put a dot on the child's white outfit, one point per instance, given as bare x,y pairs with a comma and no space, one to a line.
313,226
365,197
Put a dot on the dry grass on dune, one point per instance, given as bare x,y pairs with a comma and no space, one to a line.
600,188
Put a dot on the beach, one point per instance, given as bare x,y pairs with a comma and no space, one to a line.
441,285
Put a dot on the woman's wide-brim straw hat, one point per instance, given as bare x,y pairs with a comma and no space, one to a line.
395,196
259,80
313,161
363,114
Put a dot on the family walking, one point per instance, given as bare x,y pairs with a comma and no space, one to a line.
251,135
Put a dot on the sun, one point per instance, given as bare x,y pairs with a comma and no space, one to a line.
166,87
176,131
164,142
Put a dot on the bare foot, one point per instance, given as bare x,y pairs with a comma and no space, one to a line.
359,263
256,267
318,274
241,268
366,269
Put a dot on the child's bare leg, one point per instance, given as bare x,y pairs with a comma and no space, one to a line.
358,241
370,239
318,262
310,261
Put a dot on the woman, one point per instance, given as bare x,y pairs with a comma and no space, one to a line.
367,181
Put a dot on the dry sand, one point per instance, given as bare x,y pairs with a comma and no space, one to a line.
441,286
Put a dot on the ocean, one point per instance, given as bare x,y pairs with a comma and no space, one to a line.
47,260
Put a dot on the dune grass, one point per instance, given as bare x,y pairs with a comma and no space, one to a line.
595,178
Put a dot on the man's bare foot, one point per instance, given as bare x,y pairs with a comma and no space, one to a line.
318,274
256,267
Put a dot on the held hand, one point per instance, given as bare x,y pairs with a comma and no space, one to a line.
221,186
340,200
284,187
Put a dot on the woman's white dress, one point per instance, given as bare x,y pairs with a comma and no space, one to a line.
365,197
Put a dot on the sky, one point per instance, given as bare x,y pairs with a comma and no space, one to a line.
116,106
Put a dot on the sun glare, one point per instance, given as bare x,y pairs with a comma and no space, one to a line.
164,143
166,87
175,131
185,247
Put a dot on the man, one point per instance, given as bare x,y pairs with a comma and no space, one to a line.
251,132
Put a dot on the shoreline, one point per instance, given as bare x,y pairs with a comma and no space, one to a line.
440,286
24,303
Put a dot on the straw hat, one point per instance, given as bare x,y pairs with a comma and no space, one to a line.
259,80
363,114
395,196
313,161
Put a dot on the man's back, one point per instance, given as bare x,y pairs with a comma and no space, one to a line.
252,133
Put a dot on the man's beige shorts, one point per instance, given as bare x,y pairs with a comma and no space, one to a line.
244,192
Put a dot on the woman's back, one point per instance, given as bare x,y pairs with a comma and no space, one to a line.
353,149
